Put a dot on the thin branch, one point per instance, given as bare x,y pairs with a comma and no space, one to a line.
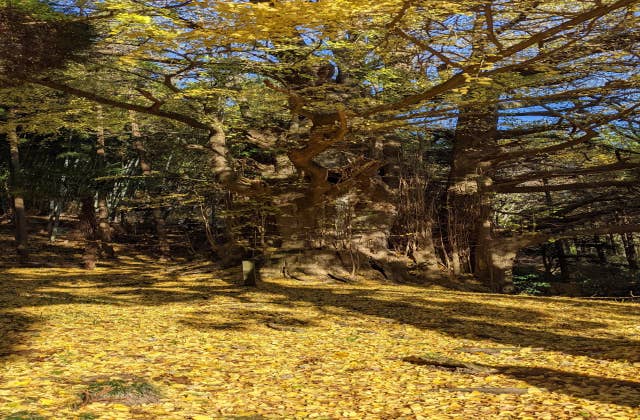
507,189
618,166
426,47
488,13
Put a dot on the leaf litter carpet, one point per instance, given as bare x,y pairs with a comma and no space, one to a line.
145,341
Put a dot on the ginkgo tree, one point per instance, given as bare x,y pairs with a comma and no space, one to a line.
354,78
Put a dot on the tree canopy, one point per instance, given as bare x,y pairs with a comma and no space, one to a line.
449,136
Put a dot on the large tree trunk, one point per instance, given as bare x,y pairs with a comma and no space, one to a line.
321,237
492,260
339,226
497,263
300,213
346,243
469,211
20,214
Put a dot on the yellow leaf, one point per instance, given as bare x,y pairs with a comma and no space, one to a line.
19,382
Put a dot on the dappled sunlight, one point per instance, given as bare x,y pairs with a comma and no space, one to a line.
319,209
294,349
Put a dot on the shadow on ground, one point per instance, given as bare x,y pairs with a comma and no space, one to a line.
457,318
597,388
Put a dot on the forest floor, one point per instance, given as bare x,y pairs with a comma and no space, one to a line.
136,339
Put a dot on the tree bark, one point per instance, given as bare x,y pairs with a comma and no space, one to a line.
54,220
20,214
563,264
493,261
546,262
89,228
470,215
630,250
602,256
104,227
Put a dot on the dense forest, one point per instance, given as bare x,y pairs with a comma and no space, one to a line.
488,141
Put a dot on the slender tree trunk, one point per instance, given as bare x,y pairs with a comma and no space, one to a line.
5,205
613,244
145,167
20,214
54,220
630,250
89,229
52,207
559,244
602,256
104,228
563,262
546,262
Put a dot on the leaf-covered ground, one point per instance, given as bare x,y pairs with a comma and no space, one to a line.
204,348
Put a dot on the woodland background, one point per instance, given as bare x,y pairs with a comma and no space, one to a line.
489,144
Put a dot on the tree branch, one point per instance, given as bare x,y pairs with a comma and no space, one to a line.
185,119
618,166
460,79
508,189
